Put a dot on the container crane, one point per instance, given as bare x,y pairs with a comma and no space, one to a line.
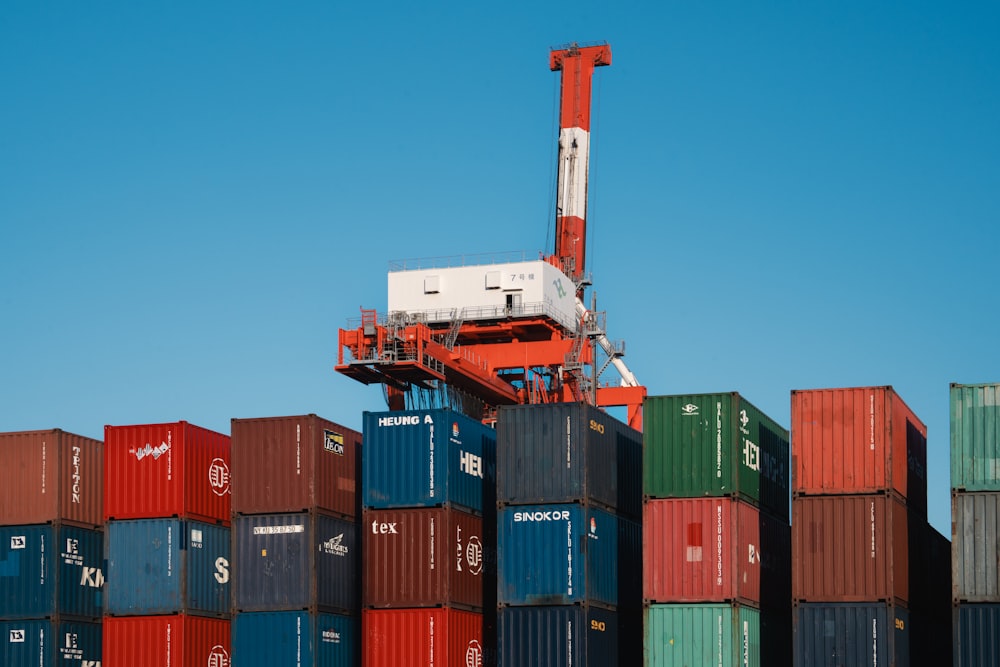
489,331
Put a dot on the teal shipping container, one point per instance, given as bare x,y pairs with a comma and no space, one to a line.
51,570
50,642
698,445
168,566
720,635
975,437
427,458
294,639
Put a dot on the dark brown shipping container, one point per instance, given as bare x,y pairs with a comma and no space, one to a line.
850,549
294,464
51,477
425,558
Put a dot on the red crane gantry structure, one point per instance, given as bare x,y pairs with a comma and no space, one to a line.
513,355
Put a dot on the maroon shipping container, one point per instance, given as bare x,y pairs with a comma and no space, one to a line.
166,470
51,477
425,557
294,464
858,440
165,641
701,550
437,637
850,549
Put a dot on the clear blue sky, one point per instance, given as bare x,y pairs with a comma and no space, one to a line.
194,197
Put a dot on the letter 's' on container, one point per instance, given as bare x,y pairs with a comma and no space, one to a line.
51,477
295,639
294,464
176,640
426,458
49,642
975,437
431,636
157,471
721,635
697,445
561,636
867,635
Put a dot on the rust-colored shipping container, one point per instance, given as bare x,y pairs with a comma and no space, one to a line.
294,464
438,637
426,557
858,440
701,550
178,640
51,477
166,470
850,549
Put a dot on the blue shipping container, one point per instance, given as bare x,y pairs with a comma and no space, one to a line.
50,642
301,561
295,639
425,458
977,635
168,566
559,636
866,635
557,554
49,570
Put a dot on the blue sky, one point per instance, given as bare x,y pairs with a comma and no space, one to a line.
194,197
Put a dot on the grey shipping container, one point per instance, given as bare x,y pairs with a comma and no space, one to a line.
168,566
975,437
977,635
51,570
294,639
975,521
568,452
50,642
284,562
561,636
860,635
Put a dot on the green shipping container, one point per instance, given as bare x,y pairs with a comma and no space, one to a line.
709,635
975,437
698,445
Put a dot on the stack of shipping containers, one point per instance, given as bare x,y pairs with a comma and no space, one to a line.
166,507
296,551
975,520
716,538
51,549
429,534
569,486
859,500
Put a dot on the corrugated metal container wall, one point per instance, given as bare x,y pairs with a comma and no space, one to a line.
775,566
863,635
568,452
858,440
166,470
49,570
721,635
556,555
425,458
977,635
435,637
559,636
975,521
168,566
701,550
294,639
294,464
714,445
975,437
51,477
850,549
294,562
425,557
930,595
166,641
49,642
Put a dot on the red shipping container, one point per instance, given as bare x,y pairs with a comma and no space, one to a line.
858,440
165,641
294,464
425,557
166,470
437,637
850,549
51,477
701,550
